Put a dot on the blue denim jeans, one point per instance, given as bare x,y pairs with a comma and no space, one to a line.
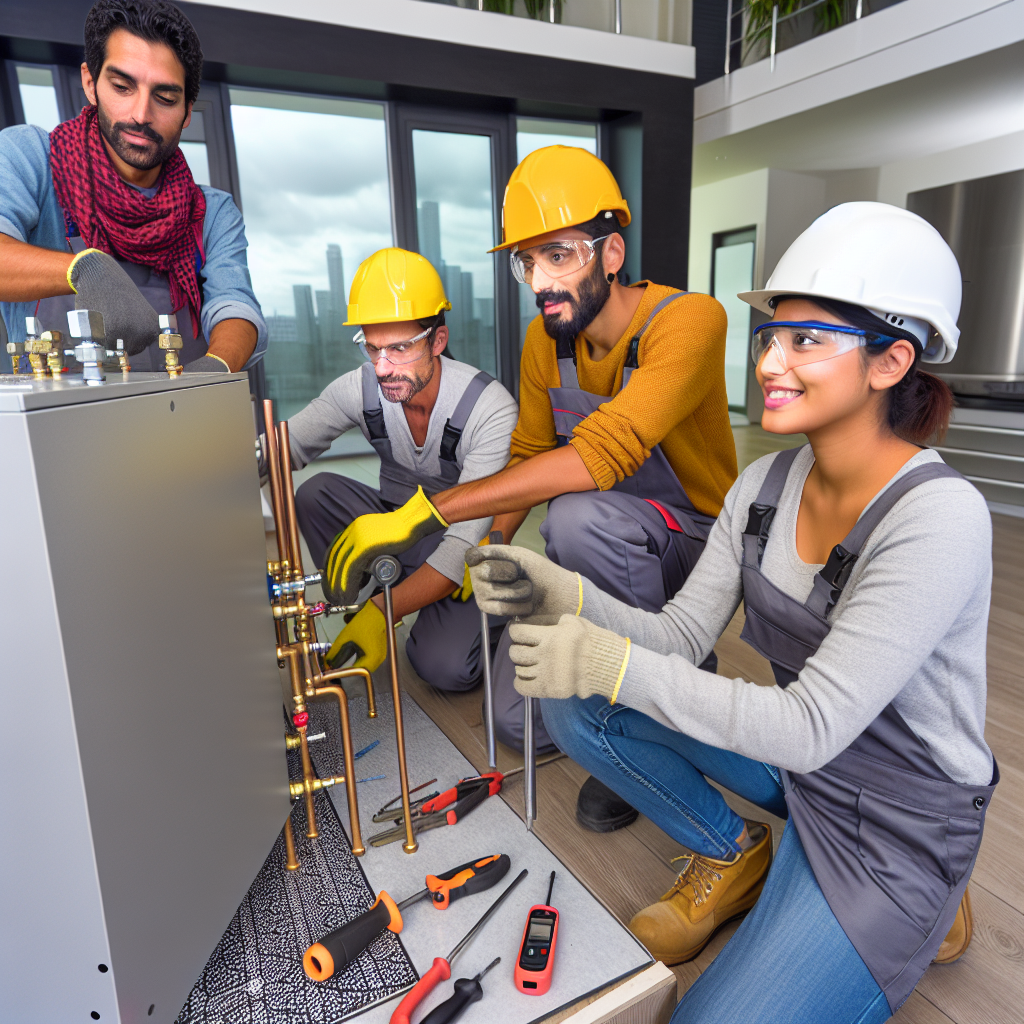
790,961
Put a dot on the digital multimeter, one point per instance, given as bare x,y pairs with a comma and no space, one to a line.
537,953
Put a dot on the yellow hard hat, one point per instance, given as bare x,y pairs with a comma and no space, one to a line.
394,285
557,187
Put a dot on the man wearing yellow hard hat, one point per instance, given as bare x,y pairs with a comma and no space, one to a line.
434,423
623,423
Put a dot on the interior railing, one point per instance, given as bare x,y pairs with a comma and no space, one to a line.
758,29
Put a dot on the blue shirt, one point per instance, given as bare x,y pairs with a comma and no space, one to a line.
29,211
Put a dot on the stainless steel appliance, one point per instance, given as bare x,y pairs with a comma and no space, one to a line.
983,222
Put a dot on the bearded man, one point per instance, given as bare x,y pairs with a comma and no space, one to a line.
623,423
102,213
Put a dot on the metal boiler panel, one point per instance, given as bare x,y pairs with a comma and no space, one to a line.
142,770
983,222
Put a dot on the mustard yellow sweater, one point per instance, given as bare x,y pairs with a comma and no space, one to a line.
676,398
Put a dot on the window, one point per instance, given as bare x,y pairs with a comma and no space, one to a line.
193,148
732,271
313,173
38,96
455,226
532,135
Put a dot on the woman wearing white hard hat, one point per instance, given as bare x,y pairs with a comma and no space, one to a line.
864,564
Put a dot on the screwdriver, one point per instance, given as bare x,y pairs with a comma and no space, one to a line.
441,969
467,990
336,950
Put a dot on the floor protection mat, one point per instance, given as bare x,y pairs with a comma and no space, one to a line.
255,974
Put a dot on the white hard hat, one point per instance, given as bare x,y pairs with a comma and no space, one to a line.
881,257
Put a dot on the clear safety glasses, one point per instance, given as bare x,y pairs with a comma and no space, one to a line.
553,259
397,353
797,343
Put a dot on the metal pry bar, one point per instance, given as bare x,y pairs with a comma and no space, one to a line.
386,570
485,648
529,764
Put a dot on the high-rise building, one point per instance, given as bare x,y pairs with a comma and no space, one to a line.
429,223
336,277
305,319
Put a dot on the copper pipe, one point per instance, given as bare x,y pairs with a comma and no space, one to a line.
307,780
358,847
346,673
288,492
291,861
410,845
274,467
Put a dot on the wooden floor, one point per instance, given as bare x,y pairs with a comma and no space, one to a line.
631,868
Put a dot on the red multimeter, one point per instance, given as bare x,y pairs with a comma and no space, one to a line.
537,953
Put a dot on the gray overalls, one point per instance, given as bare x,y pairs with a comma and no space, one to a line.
890,837
637,541
398,483
156,289
444,643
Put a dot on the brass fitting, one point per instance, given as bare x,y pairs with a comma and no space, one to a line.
122,356
15,349
170,342
299,789
39,343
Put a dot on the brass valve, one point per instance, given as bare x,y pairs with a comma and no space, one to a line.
15,349
292,740
170,342
298,789
40,343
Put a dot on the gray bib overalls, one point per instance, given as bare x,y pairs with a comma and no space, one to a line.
890,837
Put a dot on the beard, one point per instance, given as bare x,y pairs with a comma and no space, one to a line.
593,291
405,388
142,158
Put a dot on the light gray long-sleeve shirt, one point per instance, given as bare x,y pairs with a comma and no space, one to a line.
482,450
910,628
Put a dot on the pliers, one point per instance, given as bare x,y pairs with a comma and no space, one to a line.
443,809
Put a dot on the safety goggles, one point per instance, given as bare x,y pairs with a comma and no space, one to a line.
397,353
797,343
553,259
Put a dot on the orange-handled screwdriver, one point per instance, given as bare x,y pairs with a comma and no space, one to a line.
441,969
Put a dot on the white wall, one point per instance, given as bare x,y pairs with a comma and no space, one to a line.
994,156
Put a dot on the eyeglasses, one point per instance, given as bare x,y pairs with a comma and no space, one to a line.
397,354
797,343
553,259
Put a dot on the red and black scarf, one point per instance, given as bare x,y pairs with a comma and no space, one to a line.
164,233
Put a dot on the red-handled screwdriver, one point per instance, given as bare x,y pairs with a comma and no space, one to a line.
441,969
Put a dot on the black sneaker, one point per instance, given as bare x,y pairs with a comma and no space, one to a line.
599,809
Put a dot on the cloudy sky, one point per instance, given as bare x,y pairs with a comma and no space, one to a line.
310,178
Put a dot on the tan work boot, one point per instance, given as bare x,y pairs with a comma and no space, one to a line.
706,895
955,944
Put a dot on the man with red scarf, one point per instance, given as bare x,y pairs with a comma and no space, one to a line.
103,213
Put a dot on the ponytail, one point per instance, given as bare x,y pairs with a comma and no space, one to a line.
920,406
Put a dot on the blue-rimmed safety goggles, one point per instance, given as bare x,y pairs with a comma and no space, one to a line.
809,341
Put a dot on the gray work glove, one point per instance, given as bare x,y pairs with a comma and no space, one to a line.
573,658
510,581
207,364
100,283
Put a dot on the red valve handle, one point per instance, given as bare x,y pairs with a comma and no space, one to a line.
301,719
440,971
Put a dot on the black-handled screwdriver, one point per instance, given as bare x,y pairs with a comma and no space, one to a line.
467,990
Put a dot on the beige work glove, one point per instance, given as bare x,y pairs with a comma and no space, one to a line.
512,581
573,658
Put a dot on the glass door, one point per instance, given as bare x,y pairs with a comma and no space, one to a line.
732,271
450,172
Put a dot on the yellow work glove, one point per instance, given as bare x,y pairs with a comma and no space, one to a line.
364,635
354,550
465,592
